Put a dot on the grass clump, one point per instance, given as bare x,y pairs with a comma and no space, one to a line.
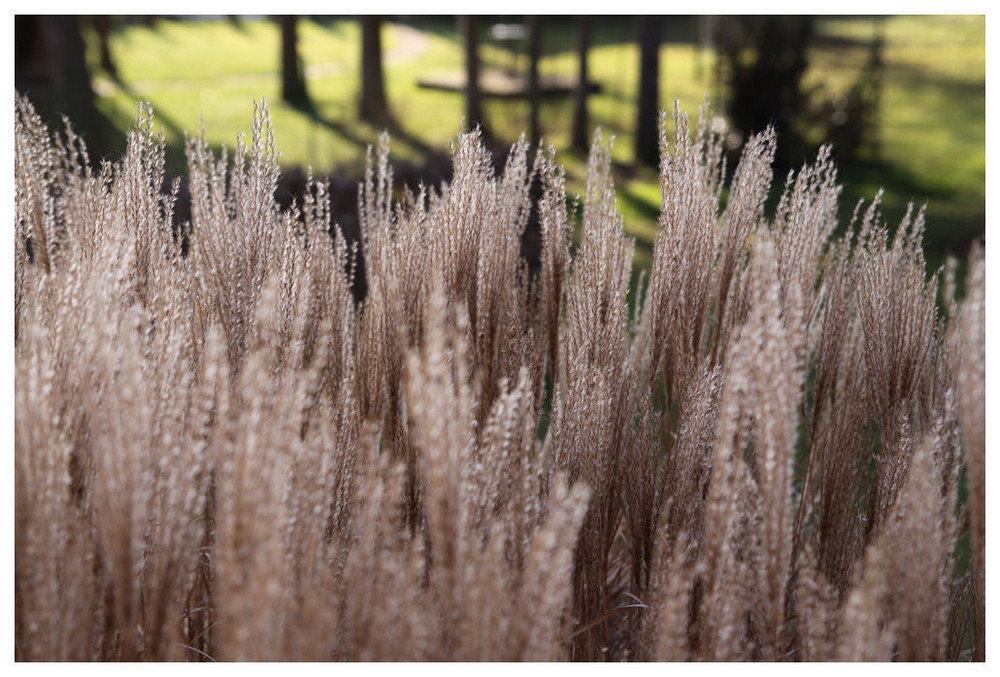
221,454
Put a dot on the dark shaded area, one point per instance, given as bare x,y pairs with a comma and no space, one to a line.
763,59
50,66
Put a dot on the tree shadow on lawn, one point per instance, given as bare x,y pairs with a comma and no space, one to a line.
170,126
432,157
954,218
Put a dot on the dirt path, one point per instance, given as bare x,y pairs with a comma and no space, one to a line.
410,44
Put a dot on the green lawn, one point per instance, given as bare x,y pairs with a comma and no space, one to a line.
932,118
932,122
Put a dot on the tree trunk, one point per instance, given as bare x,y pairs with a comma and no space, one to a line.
473,102
103,25
534,54
647,140
72,93
767,90
581,132
374,107
293,81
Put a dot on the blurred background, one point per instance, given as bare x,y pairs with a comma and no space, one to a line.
901,98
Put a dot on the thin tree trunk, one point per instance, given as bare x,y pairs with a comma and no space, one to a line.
473,103
374,106
534,54
72,93
647,145
103,25
293,82
581,132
